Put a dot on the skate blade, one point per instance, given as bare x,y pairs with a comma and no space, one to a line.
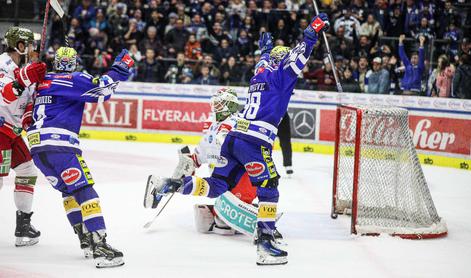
25,241
148,196
105,263
270,260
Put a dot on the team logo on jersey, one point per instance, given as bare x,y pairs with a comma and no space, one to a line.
254,169
71,175
221,161
52,180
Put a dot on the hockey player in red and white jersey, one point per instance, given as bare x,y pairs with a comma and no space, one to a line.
18,78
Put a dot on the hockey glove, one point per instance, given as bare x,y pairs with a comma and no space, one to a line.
265,43
30,74
123,61
320,23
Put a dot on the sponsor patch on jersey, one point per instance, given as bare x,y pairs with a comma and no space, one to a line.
266,154
63,76
44,85
52,180
71,175
34,139
254,169
242,125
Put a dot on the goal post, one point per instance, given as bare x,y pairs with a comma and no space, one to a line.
377,175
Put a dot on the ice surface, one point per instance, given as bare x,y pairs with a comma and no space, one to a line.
318,245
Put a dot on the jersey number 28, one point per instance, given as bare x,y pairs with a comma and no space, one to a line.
252,105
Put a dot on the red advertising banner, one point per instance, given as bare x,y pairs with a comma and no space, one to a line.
428,133
327,125
174,115
441,134
119,113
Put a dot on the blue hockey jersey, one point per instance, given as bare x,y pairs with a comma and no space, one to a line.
59,105
269,94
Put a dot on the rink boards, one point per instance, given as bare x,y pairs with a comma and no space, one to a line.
171,113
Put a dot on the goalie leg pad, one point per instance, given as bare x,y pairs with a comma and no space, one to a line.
204,218
238,215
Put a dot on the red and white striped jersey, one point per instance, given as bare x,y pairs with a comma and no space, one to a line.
12,112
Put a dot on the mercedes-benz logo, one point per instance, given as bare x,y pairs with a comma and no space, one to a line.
304,123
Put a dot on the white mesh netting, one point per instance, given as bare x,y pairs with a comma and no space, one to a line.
393,196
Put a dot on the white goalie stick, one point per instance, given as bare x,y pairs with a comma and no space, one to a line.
329,54
184,150
60,12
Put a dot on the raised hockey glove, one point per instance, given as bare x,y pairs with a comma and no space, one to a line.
319,23
123,62
30,74
265,43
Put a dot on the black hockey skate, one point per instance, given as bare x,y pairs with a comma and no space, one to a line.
103,254
26,234
269,249
85,239
157,188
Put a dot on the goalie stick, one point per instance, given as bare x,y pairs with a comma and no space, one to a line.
184,150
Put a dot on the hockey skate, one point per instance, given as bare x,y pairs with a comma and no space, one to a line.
269,249
103,254
159,187
26,234
85,239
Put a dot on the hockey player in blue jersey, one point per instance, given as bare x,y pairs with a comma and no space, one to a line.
55,147
248,146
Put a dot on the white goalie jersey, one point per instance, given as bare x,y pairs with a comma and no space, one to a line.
11,113
209,148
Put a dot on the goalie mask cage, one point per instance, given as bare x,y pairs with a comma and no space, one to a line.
377,175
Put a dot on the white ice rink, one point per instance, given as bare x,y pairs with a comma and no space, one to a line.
318,245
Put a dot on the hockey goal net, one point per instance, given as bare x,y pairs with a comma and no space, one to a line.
377,175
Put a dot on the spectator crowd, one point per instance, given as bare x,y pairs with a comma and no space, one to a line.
419,47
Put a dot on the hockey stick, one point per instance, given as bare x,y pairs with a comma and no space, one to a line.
176,174
43,33
58,9
148,224
329,54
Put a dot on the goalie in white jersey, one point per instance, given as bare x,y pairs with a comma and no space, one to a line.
18,80
209,218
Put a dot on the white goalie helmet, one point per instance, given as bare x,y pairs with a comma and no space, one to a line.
224,103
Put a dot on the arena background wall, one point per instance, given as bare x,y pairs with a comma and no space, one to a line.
169,113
